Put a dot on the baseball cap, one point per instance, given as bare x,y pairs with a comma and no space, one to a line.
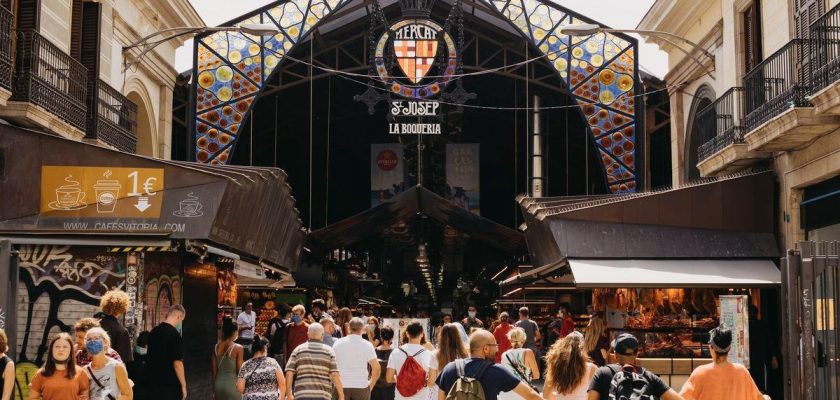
625,344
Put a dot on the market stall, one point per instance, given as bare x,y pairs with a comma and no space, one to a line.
666,266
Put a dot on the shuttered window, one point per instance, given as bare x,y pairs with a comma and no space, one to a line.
752,36
28,15
91,22
76,29
804,14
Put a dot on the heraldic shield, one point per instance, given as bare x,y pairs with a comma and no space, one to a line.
415,57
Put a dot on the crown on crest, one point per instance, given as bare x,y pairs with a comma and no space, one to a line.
416,8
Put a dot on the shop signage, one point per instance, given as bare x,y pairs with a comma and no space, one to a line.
244,268
415,60
387,178
101,192
404,112
399,325
734,314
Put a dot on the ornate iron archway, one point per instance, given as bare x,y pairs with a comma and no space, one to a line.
601,72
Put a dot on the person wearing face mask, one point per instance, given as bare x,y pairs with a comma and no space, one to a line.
372,333
165,359
80,330
59,378
318,308
108,377
472,321
494,378
297,333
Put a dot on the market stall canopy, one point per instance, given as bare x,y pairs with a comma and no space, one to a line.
674,273
406,205
722,218
59,186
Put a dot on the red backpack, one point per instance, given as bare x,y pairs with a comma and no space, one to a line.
412,377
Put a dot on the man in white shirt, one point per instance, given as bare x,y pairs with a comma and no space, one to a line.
423,357
353,355
246,321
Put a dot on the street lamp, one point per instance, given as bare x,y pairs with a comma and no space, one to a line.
171,33
579,30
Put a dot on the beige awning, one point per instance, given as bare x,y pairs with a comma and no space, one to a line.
674,273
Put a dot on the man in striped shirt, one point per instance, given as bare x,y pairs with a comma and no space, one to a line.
311,368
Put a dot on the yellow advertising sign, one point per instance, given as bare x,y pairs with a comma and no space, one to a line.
101,192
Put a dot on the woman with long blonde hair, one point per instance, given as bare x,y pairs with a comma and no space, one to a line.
568,370
521,361
596,342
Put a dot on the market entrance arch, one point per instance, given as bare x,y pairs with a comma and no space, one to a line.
231,70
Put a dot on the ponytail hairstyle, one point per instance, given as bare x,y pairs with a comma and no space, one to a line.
260,344
229,327
566,364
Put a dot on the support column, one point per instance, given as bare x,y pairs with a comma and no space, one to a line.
537,176
164,131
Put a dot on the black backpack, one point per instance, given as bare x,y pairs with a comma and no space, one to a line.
628,384
277,341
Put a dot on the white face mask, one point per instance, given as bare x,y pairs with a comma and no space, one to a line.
471,314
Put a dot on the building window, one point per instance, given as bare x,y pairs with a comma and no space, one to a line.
752,36
704,97
805,12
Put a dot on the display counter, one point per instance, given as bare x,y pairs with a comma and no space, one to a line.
674,371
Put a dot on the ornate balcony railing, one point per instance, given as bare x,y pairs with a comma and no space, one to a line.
115,122
777,84
719,124
48,77
825,34
6,25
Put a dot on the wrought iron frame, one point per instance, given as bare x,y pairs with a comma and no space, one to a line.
48,77
6,47
537,30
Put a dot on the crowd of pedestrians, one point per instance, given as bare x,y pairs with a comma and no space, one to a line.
334,355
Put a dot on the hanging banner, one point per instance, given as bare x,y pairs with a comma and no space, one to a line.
399,325
462,176
734,314
386,172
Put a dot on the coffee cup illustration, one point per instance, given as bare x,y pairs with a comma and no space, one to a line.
69,196
107,193
189,207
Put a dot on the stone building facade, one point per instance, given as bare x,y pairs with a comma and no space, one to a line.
763,90
62,70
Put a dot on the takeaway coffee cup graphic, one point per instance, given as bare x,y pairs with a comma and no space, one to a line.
69,196
107,193
190,207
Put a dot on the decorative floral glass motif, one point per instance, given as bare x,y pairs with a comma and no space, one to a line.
600,71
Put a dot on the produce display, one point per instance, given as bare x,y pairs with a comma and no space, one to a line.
670,323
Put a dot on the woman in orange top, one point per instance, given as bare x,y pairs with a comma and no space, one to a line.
721,379
60,378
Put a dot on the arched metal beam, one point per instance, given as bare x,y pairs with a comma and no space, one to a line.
601,71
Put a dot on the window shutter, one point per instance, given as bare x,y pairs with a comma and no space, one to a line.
77,9
90,20
804,14
752,36
28,15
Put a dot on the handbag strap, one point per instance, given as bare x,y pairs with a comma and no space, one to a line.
248,379
520,373
101,386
